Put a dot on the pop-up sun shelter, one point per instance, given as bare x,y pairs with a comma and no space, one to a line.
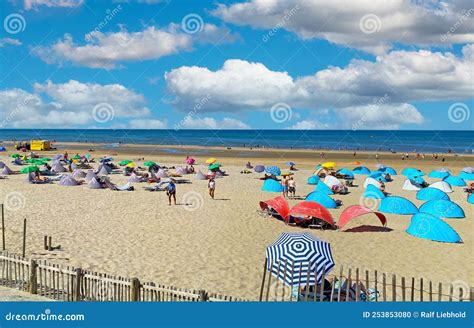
308,210
331,181
373,192
455,181
322,187
431,194
355,211
443,186
388,170
271,185
427,226
322,199
276,206
443,209
313,180
361,170
466,176
436,174
397,205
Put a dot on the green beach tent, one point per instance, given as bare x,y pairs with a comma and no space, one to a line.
29,169
149,163
125,162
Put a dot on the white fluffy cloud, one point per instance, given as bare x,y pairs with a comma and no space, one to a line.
9,41
106,50
69,104
33,4
373,26
211,123
395,78
379,117
308,125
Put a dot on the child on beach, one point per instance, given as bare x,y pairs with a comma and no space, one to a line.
211,185
171,191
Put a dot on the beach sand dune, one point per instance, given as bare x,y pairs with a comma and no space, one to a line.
218,245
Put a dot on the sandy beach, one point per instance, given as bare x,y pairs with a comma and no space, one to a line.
219,245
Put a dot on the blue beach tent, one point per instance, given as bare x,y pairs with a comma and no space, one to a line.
443,209
430,227
439,174
361,170
377,176
455,181
271,185
466,176
388,170
470,199
322,187
321,199
397,205
346,172
313,180
373,192
427,194
412,171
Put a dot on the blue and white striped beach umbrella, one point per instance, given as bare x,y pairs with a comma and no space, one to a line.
273,170
299,259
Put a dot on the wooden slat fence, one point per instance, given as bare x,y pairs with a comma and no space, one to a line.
344,285
64,283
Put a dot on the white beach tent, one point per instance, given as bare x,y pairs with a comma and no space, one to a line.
442,185
371,181
200,176
90,174
331,181
410,185
94,184
78,174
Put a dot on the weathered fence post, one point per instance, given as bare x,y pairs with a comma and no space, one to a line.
77,290
33,279
135,290
3,228
203,296
24,238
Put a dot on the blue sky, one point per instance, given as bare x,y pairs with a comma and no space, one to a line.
254,64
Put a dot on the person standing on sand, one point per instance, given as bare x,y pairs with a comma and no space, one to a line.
291,187
171,191
285,187
211,185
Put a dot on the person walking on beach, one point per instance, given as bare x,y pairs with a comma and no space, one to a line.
211,185
171,191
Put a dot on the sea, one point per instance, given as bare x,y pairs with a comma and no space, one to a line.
395,141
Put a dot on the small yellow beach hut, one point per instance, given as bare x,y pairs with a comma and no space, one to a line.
40,145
